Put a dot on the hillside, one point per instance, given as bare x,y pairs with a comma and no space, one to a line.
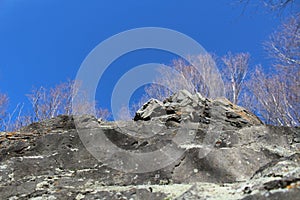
186,147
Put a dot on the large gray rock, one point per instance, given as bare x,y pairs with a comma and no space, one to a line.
184,106
225,153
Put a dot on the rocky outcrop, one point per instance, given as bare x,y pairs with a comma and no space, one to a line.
184,106
189,147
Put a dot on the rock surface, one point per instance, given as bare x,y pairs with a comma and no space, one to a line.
226,152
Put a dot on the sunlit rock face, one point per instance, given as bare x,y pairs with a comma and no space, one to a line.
186,147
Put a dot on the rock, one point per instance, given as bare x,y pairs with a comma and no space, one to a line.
199,149
185,106
149,110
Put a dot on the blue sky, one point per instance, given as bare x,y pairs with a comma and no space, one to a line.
45,42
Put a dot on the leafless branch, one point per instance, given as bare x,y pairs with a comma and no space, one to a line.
235,71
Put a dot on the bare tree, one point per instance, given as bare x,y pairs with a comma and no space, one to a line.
278,4
277,93
11,121
273,5
172,79
102,114
197,74
274,103
15,120
48,103
127,112
124,113
235,70
284,45
3,108
3,104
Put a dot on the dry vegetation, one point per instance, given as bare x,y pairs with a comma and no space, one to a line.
47,103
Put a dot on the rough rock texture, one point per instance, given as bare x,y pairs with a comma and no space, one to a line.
231,155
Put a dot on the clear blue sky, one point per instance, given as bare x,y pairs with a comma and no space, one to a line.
43,42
